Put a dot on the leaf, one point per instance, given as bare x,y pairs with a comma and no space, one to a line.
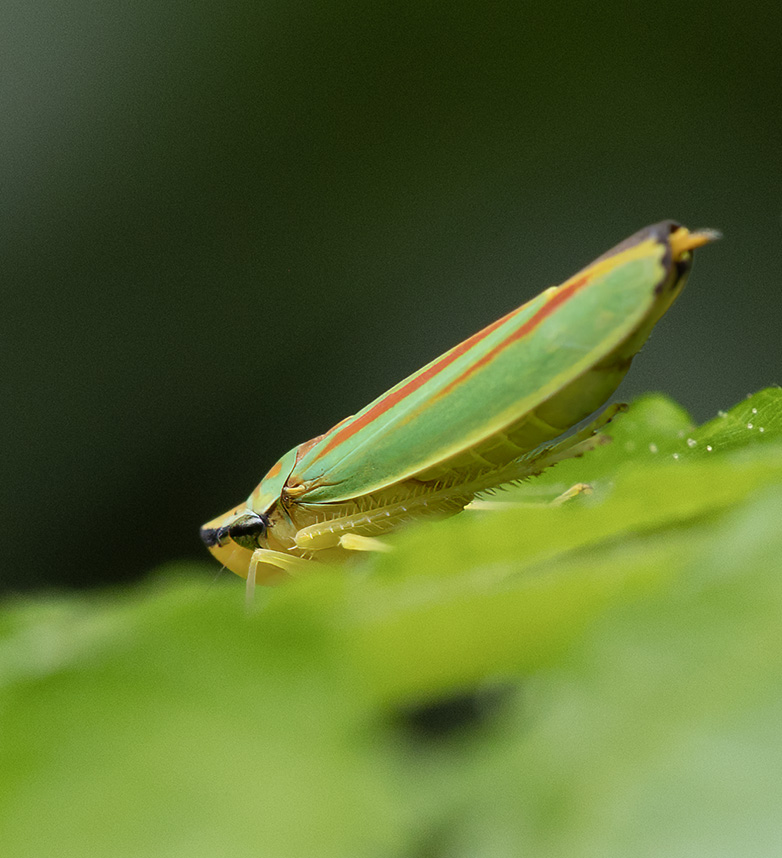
597,679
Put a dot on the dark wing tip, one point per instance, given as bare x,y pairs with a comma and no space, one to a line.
660,232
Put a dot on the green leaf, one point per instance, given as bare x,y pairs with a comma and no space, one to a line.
597,679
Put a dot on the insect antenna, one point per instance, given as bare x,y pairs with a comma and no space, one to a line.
215,577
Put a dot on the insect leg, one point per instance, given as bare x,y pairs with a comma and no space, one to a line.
355,542
569,494
280,560
575,445
572,492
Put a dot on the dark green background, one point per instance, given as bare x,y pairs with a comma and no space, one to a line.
227,225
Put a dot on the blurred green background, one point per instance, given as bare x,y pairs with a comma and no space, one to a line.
225,226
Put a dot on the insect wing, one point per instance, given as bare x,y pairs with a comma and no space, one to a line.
268,490
492,379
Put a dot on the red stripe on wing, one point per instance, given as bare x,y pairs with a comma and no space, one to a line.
556,300
396,396
448,358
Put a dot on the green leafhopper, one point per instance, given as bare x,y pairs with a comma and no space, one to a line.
494,409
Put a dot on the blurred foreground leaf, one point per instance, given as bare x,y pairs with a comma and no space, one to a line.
599,679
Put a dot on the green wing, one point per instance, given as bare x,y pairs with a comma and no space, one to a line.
519,383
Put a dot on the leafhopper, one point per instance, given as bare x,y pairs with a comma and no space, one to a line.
493,410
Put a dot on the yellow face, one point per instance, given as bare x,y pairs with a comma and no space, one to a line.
233,536
216,536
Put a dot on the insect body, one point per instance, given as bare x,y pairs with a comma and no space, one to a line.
492,410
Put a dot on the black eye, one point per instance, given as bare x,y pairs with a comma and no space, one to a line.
247,530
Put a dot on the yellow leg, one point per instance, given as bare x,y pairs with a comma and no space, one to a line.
354,542
287,563
483,505
572,492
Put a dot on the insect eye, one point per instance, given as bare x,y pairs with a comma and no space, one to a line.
245,531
